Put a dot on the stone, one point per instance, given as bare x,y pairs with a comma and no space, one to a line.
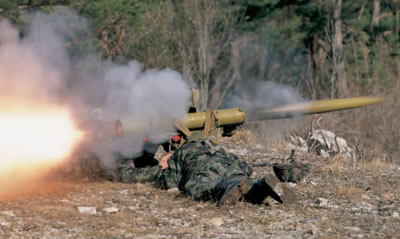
278,189
87,210
110,210
322,202
366,206
325,143
355,229
4,223
133,208
173,190
70,230
291,185
298,143
8,213
217,221
396,215
124,192
365,197
313,183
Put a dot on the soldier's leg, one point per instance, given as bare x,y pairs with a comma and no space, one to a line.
238,186
260,189
230,191
201,183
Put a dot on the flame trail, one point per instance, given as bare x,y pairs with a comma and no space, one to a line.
33,138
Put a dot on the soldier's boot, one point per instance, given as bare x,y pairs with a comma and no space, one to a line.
259,191
230,191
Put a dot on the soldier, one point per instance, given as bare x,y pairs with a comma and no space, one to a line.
203,171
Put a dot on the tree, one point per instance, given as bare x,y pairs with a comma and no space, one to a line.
338,77
208,45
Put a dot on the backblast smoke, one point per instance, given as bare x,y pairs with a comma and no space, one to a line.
47,99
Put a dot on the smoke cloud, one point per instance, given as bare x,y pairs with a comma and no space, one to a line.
38,68
264,95
257,96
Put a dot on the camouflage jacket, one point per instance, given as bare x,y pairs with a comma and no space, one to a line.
198,158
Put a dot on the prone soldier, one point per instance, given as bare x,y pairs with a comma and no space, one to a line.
203,171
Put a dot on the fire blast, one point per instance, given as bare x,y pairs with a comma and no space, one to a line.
33,138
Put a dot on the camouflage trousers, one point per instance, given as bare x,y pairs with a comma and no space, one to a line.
198,182
201,182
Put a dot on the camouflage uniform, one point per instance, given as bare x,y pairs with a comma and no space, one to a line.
201,170
128,173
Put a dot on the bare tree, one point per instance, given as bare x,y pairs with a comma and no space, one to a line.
375,14
209,46
338,76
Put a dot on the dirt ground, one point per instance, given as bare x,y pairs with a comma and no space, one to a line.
339,198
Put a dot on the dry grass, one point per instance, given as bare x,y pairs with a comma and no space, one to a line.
244,136
148,212
376,164
281,147
374,131
349,191
145,211
335,165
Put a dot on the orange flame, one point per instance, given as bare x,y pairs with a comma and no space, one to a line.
33,138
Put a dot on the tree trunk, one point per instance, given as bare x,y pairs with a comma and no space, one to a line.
375,15
397,40
339,76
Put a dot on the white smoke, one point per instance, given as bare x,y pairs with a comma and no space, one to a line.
38,67
265,95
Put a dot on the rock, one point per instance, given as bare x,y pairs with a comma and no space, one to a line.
325,143
307,234
355,229
87,210
278,189
365,197
147,193
322,202
314,184
217,221
8,213
173,190
291,185
133,208
4,223
396,215
364,207
124,192
324,153
298,143
70,230
110,210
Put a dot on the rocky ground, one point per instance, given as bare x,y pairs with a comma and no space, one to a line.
339,198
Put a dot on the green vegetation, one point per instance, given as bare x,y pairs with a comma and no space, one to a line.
322,48
357,52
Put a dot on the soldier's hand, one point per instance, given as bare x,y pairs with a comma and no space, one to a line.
164,161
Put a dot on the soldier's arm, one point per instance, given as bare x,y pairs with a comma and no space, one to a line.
128,173
164,161
172,175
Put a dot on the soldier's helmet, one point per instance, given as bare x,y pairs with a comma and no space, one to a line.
196,136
